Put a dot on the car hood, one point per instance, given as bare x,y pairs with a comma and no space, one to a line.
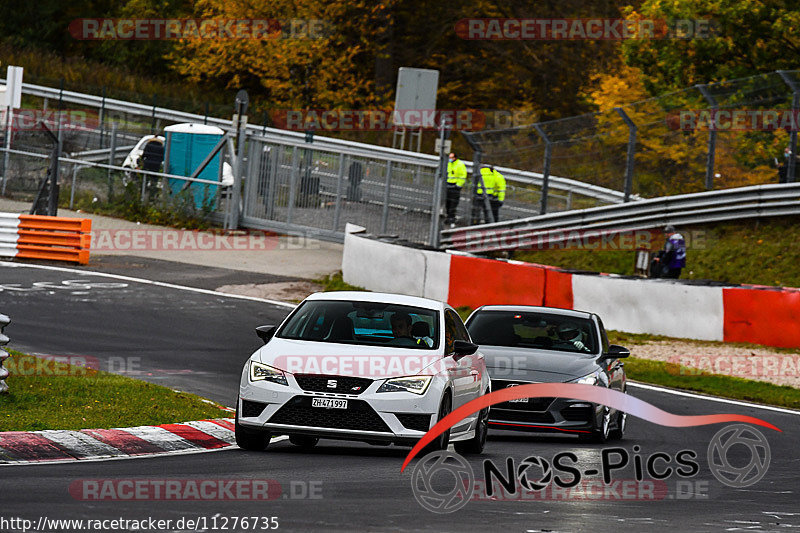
529,364
308,357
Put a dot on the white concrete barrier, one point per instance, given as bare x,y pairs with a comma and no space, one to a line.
650,306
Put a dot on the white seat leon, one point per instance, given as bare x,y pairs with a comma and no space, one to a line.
372,367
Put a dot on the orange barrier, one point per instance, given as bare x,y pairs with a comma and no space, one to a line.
475,282
54,238
770,317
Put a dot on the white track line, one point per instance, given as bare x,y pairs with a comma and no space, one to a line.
713,398
9,264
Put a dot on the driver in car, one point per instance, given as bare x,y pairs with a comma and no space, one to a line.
569,334
401,329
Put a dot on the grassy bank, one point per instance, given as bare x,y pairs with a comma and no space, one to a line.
49,395
761,252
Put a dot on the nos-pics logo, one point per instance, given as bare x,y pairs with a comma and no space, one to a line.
443,482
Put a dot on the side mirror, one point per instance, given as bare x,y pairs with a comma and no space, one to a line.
265,333
462,348
615,352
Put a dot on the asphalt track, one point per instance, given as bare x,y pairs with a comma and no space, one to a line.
197,341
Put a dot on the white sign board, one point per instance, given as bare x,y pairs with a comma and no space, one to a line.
448,144
415,99
12,97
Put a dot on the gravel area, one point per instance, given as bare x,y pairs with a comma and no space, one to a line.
288,291
760,364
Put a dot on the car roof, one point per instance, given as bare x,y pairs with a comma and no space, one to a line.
380,297
536,309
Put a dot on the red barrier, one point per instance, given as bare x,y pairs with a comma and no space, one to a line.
475,282
557,288
770,317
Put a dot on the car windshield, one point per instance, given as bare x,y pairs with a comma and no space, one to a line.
534,330
368,323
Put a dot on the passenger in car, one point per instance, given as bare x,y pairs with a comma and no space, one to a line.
401,329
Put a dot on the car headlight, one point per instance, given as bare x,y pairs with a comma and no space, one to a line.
262,372
591,379
415,384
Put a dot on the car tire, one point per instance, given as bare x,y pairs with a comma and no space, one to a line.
442,441
304,441
474,446
618,433
600,432
253,440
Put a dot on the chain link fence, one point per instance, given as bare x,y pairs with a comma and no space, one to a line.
719,135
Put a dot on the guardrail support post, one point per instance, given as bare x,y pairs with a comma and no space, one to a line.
546,168
631,152
712,136
791,164
4,320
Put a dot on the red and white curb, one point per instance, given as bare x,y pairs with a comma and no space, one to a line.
35,447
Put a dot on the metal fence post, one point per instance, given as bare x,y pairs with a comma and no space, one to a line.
546,167
72,189
153,118
631,152
386,196
7,130
438,183
4,320
712,135
337,210
238,169
102,118
111,156
791,164
292,182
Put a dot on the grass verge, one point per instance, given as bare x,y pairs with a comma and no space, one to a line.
44,394
334,282
680,377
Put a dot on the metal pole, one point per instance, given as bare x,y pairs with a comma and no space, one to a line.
546,168
631,152
386,196
438,183
712,136
111,156
102,118
337,210
72,190
52,203
791,164
292,183
477,155
153,118
241,136
8,147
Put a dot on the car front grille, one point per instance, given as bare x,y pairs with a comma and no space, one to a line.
338,384
252,409
533,404
577,413
530,417
358,416
414,421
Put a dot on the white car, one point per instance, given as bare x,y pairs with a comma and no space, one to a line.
372,367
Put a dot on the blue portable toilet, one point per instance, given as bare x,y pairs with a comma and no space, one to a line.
187,146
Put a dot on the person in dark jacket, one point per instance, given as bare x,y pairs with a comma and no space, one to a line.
672,259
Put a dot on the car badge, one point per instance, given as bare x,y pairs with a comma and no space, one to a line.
356,388
331,383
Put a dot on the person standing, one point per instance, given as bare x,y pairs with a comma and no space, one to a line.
484,190
456,177
672,259
498,194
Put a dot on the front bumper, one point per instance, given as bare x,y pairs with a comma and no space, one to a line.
386,417
558,415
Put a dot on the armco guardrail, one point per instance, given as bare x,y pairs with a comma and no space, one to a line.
351,148
44,237
4,320
713,206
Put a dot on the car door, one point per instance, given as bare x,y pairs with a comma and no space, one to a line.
464,375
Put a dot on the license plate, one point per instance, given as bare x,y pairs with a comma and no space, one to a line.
519,400
329,403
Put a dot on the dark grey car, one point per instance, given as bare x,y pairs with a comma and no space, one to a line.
526,344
